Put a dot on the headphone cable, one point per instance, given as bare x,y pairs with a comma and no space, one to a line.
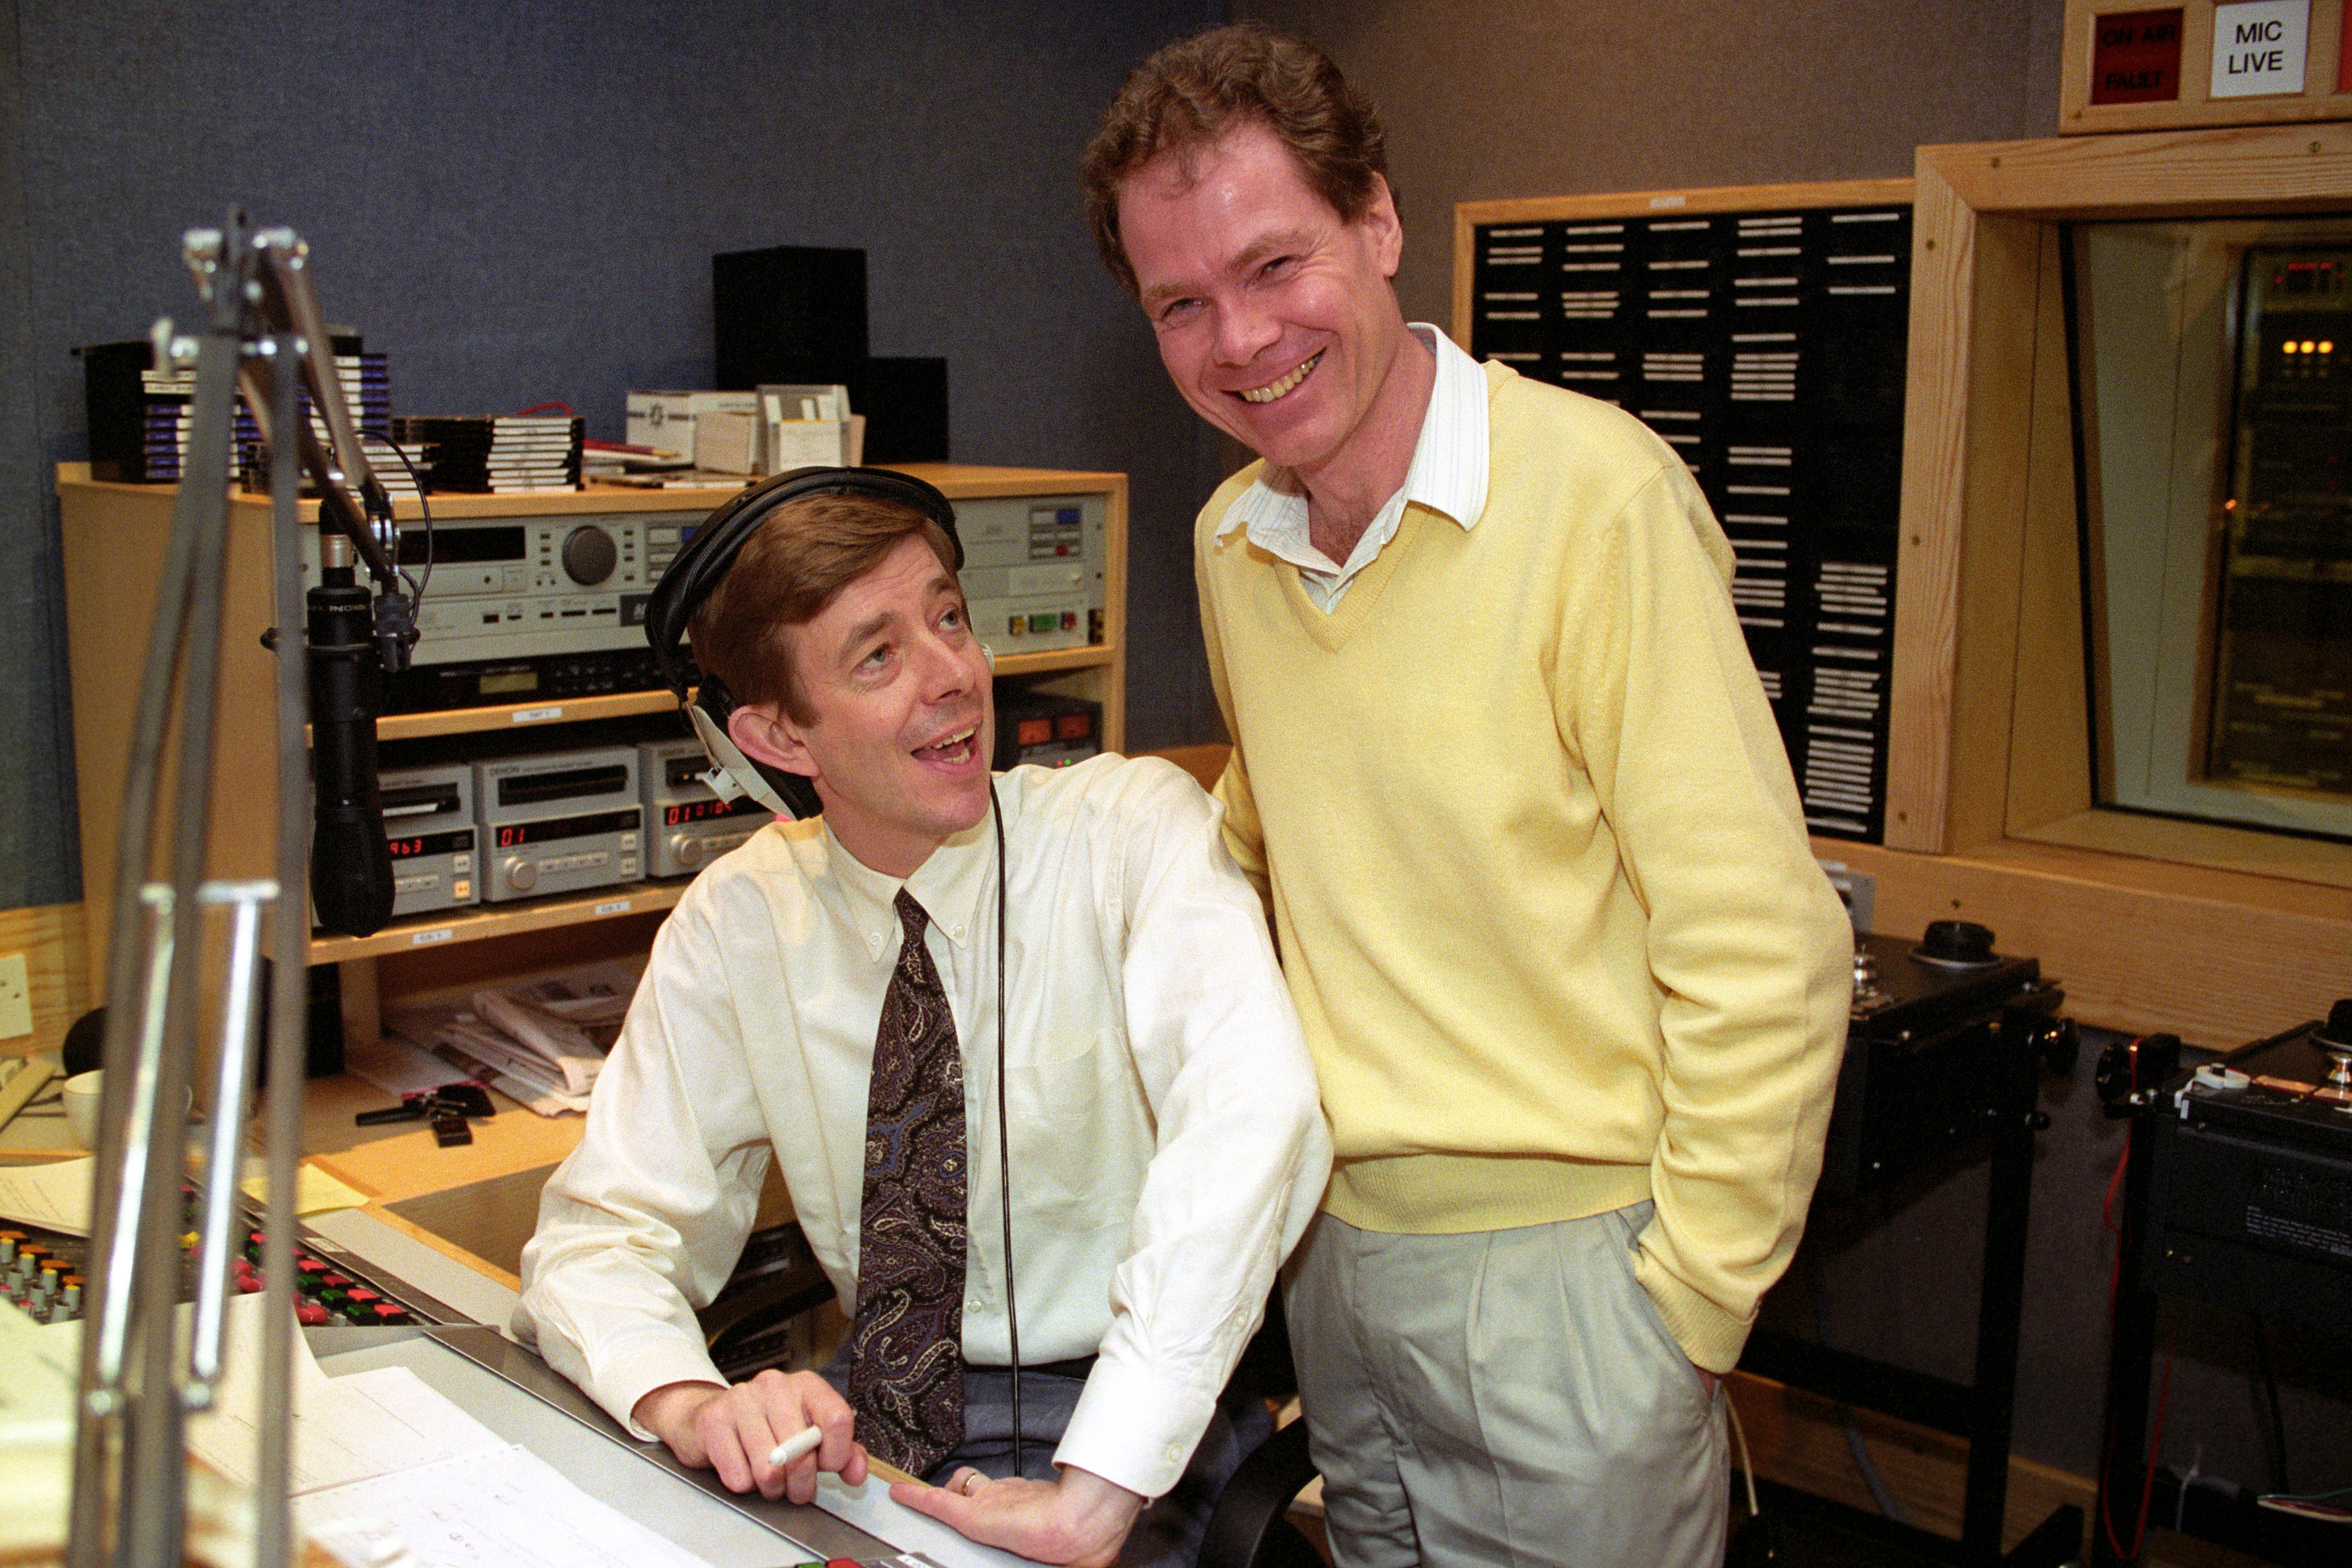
1004,1137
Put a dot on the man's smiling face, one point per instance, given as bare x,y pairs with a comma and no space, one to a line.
1273,314
905,722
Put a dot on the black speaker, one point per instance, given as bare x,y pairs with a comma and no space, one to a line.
795,315
905,401
785,311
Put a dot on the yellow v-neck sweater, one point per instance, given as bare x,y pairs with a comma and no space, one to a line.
1538,865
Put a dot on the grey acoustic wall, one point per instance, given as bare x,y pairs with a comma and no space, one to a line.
1535,97
1546,98
520,203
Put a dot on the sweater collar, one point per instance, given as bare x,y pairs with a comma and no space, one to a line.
1448,474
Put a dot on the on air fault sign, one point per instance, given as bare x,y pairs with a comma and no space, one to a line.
2135,57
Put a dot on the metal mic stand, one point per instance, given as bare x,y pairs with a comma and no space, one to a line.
129,1498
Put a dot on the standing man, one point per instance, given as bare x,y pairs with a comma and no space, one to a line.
1573,983
858,996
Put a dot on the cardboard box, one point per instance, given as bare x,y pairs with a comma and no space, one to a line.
667,419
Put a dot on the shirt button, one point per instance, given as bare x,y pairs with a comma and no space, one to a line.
971,1305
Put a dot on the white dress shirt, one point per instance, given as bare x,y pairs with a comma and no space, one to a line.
1166,1143
1448,475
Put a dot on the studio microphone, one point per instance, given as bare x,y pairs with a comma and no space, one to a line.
350,864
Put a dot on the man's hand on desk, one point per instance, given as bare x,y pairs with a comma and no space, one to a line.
733,1429
1081,1520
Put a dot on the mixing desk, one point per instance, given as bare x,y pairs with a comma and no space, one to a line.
44,1272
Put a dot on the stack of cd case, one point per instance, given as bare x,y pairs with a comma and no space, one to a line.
494,453
140,415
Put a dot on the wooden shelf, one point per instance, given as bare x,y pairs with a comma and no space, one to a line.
1093,656
484,921
114,537
628,704
555,710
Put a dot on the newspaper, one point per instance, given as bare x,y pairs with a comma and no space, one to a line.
540,1042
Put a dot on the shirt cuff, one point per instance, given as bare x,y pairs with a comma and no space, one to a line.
1134,1430
637,1370
1710,1336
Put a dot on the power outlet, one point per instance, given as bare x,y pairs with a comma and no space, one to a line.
15,997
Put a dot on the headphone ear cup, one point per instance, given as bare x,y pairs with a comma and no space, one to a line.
786,794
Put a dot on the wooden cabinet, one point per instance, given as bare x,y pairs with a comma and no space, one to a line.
115,537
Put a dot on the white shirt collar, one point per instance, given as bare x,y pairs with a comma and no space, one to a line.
949,886
1448,473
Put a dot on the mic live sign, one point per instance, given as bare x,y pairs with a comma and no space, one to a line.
2259,48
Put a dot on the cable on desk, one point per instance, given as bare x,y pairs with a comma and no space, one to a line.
2268,1396
2148,1478
2313,1505
1747,1465
2115,1226
1817,1289
423,508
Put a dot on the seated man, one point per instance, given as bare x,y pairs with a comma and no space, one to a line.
830,995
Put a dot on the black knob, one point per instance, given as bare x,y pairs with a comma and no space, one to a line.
589,554
2060,1046
2337,1029
1957,942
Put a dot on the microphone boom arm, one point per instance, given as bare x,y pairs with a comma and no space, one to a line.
353,498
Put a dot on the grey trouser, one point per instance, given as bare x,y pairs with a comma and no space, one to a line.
1503,1396
1168,1533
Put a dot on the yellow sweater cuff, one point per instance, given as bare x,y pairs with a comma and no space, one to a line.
1710,1336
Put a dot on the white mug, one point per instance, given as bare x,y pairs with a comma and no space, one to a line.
80,1094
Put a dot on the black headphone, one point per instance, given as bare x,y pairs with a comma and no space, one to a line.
709,550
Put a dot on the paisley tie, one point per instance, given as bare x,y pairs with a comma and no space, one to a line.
905,1374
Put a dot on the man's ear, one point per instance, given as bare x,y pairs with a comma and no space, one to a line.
1382,225
767,734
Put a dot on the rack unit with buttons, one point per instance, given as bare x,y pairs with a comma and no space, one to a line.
1047,545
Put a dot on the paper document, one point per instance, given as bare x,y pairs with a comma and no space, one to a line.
451,1034
540,1042
381,1456
315,1191
505,1507
39,1367
225,1436
557,1041
396,1067
36,1394
55,1196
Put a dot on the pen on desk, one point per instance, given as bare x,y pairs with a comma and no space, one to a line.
801,1442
